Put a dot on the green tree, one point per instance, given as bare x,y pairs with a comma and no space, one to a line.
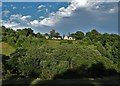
53,33
94,35
78,35
38,35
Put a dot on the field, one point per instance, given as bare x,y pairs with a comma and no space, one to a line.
6,49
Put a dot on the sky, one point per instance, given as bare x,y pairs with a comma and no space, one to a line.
64,17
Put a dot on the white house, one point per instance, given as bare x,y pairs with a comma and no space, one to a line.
68,38
71,38
65,38
59,38
47,37
54,38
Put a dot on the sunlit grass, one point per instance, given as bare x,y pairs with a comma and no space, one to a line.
6,49
35,82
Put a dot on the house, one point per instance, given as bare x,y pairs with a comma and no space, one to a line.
59,37
68,38
47,37
54,37
71,38
65,38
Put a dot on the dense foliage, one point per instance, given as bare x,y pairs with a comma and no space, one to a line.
91,55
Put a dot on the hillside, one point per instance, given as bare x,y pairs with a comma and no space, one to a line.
31,56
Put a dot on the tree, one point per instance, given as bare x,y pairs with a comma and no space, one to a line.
57,34
78,35
94,35
14,60
53,33
26,32
101,49
105,38
38,35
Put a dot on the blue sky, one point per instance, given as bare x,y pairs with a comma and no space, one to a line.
64,17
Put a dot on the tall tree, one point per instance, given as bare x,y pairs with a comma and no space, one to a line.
53,33
78,35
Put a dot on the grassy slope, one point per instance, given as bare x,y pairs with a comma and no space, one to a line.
6,49
53,43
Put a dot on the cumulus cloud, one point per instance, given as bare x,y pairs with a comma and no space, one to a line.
22,21
64,16
62,12
14,25
20,17
9,24
34,22
24,18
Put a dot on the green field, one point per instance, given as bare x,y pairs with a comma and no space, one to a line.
6,49
53,43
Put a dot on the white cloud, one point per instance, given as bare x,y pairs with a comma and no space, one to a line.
13,24
62,17
49,21
34,22
24,18
68,12
1,21
14,8
5,12
20,17
63,12
41,17
97,7
113,10
15,17
41,6
9,24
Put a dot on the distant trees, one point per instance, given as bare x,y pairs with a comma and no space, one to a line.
78,35
39,35
20,37
54,34
94,35
26,32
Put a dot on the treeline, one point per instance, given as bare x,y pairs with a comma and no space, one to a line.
91,55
